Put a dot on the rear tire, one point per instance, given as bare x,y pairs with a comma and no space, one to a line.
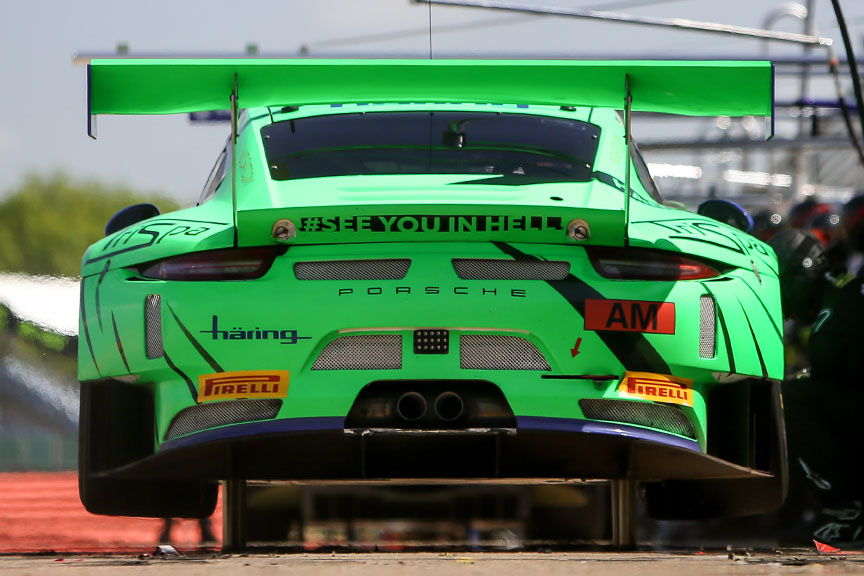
117,427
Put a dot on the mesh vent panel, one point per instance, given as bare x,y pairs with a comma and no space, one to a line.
204,416
664,417
707,327
494,352
153,326
361,352
393,269
498,269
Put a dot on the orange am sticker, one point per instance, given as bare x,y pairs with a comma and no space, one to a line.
630,316
243,384
657,387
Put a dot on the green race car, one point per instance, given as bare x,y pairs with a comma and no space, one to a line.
441,270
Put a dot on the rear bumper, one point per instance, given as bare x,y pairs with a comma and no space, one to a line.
537,450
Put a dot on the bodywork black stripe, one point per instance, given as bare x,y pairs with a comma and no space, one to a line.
767,313
513,252
192,389
632,350
87,330
119,343
204,354
617,184
755,342
736,249
98,285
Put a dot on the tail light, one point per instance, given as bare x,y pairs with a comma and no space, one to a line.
647,264
232,264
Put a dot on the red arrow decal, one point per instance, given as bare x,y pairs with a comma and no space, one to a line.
575,350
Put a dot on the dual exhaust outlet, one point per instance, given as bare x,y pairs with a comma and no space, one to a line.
447,406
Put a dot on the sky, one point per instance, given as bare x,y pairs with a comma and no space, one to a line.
43,121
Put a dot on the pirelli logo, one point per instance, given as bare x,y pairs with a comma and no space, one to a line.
657,387
243,384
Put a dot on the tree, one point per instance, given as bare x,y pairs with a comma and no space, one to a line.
47,222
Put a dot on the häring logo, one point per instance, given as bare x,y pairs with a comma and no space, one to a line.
243,384
657,387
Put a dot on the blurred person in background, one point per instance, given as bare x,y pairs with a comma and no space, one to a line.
804,212
852,218
820,221
828,229
823,222
823,431
766,224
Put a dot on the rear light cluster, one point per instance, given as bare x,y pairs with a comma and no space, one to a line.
648,264
252,263
231,264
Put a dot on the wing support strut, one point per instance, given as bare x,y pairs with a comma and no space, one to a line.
628,140
91,118
234,135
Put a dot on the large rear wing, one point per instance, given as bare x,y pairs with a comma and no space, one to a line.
691,88
169,86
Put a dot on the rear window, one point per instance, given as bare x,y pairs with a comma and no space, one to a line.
538,148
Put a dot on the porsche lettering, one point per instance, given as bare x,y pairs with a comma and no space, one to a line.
434,291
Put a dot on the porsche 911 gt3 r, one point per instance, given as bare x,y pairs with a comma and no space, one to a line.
429,270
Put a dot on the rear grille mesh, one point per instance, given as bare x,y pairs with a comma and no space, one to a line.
204,416
361,352
707,327
495,352
153,326
499,269
390,269
664,417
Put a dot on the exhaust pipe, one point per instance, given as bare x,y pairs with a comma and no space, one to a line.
449,406
411,406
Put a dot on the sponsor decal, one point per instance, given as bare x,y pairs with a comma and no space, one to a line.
281,335
153,232
433,291
657,387
430,223
630,316
243,384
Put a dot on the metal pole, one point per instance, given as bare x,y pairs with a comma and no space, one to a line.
805,170
796,159
624,514
809,29
233,515
678,23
